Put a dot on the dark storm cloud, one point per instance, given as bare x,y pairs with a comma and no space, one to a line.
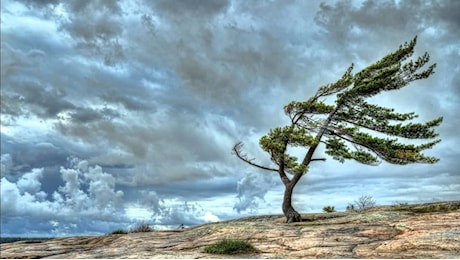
195,190
46,99
197,8
35,99
387,20
221,65
344,19
446,11
30,94
242,71
14,59
40,3
87,115
111,6
25,156
104,27
198,78
134,98
94,26
46,103
149,137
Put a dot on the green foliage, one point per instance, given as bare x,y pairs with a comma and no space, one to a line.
337,148
141,227
387,149
329,209
119,231
351,128
389,73
342,124
230,247
294,109
354,114
276,142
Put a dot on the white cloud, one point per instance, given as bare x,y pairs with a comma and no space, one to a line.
24,197
10,196
137,212
30,182
87,200
72,205
210,217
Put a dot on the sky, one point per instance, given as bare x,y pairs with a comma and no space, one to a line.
115,113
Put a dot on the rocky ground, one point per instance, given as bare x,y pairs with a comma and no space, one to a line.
404,231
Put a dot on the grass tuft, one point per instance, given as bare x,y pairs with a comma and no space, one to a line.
230,247
142,227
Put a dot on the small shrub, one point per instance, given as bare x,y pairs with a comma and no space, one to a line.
351,207
401,204
230,247
142,227
329,209
365,202
119,231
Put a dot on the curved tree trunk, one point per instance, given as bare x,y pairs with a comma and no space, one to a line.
289,212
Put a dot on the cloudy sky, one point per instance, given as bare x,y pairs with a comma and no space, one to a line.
117,112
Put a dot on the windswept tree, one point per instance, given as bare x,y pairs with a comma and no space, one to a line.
351,128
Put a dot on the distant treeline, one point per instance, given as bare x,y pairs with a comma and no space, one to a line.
28,239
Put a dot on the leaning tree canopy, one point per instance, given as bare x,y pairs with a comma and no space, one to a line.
353,128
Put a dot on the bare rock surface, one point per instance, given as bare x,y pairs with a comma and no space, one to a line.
406,231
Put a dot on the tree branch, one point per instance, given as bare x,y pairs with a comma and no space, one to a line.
352,141
318,159
308,157
237,151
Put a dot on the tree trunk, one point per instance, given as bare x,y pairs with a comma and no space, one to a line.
289,212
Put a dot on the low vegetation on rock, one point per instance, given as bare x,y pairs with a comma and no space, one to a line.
230,247
365,202
329,209
142,227
119,231
428,207
362,203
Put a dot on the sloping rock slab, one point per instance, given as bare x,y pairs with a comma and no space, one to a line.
416,231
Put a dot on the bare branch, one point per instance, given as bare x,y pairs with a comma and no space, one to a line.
318,159
308,157
237,151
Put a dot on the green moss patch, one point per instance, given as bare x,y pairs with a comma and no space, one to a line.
230,247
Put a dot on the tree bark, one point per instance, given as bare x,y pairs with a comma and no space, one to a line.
289,212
